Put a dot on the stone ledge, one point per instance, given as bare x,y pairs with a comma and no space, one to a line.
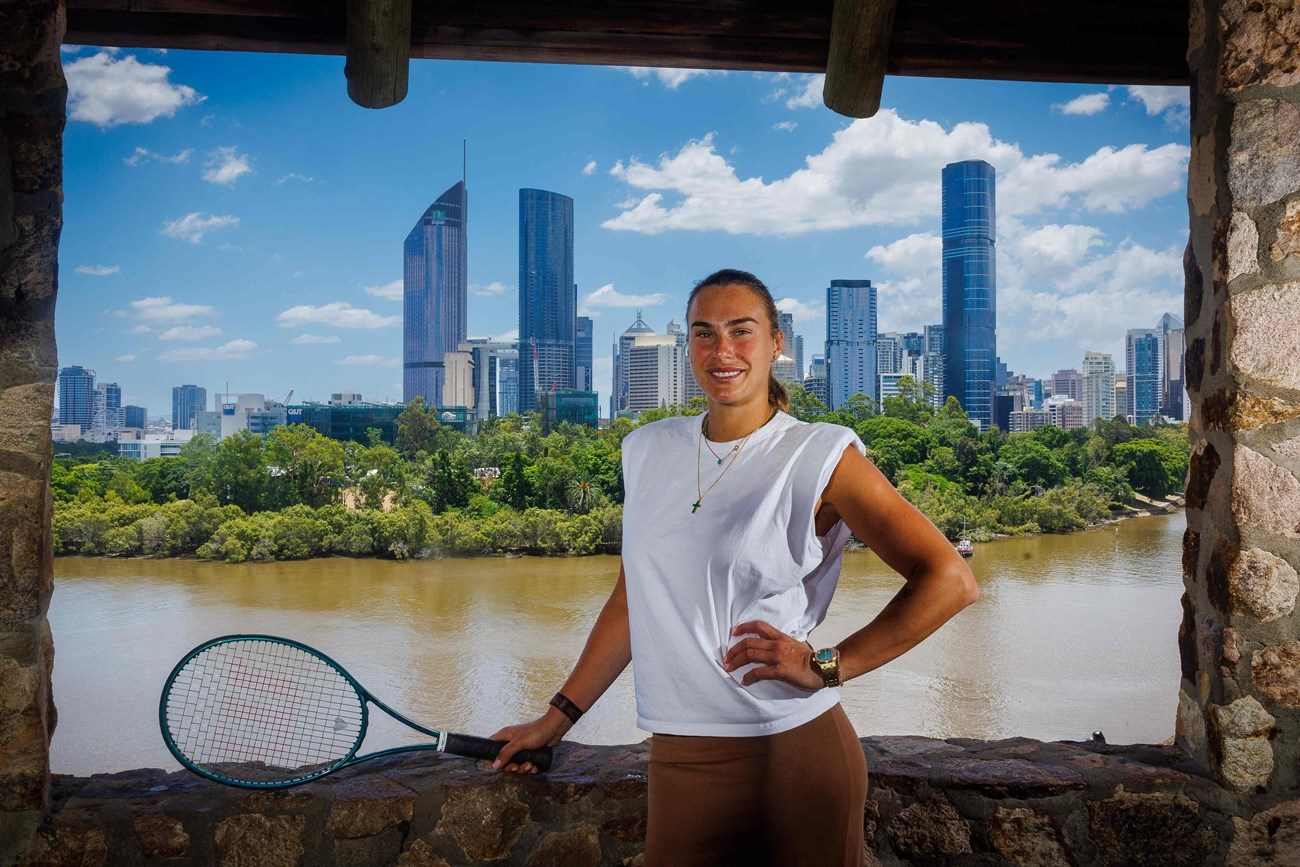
931,801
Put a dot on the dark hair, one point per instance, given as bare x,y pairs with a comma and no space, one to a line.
776,393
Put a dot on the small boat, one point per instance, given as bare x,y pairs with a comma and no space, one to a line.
965,547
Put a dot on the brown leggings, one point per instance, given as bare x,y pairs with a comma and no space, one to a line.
789,799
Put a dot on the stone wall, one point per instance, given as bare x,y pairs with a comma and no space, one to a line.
1239,703
32,97
957,802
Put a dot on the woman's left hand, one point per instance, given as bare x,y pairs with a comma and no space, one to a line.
779,656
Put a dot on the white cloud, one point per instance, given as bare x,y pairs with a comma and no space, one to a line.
144,156
294,176
225,165
99,270
811,94
1174,102
670,78
194,225
126,358
303,339
369,361
163,309
141,329
338,314
882,170
232,351
509,337
388,291
107,91
489,290
803,311
589,168
785,126
608,296
1088,103
1053,251
190,332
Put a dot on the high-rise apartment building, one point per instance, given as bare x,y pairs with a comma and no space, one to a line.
508,381
1098,387
108,406
850,341
1142,356
889,353
1068,383
793,344
548,297
434,296
650,370
1173,384
135,417
815,383
77,396
970,286
583,348
187,400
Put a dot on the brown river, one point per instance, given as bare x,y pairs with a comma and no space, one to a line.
1071,634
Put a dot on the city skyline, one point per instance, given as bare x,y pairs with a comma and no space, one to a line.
203,245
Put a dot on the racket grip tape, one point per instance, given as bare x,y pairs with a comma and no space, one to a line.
487,749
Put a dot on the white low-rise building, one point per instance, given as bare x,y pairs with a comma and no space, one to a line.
154,445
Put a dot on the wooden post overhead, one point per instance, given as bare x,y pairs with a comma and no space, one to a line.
378,51
855,66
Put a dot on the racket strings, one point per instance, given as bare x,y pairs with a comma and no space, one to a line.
263,711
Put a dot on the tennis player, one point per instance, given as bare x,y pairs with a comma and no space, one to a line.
734,525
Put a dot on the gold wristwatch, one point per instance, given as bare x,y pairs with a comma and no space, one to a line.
826,662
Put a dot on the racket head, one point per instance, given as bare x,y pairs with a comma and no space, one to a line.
261,712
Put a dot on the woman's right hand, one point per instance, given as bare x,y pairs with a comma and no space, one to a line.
545,731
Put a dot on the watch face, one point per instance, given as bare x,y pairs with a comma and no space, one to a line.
825,655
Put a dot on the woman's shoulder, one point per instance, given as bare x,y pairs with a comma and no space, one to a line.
658,431
818,431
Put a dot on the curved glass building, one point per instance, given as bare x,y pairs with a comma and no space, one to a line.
970,287
548,297
434,294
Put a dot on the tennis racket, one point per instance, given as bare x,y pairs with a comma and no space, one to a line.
267,713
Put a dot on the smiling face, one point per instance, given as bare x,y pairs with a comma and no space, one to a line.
733,343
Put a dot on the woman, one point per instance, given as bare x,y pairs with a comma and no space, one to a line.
734,525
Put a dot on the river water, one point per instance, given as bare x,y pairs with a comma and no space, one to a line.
1071,634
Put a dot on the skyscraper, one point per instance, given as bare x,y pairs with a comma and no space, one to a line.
970,286
548,298
108,406
77,396
1098,387
1143,353
793,343
850,341
434,294
1068,383
186,401
135,416
582,375
1173,385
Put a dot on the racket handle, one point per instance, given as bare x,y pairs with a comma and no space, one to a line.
486,748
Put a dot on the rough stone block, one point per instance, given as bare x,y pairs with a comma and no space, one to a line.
1265,494
1261,43
1241,753
629,829
1262,167
1027,838
252,840
161,836
929,829
572,847
1275,671
24,735
1267,328
1287,242
83,846
1241,249
485,821
25,419
1269,839
367,805
1262,585
421,854
1235,411
1193,286
1201,186
1189,724
1203,466
26,573
1154,829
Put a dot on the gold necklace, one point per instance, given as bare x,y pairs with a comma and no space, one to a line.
734,453
720,458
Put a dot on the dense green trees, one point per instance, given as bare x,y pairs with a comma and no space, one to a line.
295,493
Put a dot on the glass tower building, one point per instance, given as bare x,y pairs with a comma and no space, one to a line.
850,341
584,349
1143,354
187,400
77,396
434,294
970,287
548,297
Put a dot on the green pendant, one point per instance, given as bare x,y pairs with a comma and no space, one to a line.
695,507
720,460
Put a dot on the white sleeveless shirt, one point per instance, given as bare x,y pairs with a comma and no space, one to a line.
751,552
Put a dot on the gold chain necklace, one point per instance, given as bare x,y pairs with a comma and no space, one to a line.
734,453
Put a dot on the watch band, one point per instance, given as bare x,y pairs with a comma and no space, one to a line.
826,663
565,705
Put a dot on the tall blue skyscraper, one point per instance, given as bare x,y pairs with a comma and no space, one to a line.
1143,353
77,396
970,286
434,294
135,416
548,298
583,377
850,341
186,401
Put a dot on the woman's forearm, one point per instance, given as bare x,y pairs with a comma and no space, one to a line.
607,652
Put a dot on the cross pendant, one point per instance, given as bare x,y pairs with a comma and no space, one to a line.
695,507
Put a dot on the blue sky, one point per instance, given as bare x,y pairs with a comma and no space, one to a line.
234,218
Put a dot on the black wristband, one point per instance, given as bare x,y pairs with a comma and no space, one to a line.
562,703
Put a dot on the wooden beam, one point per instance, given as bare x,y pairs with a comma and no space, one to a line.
378,51
861,31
